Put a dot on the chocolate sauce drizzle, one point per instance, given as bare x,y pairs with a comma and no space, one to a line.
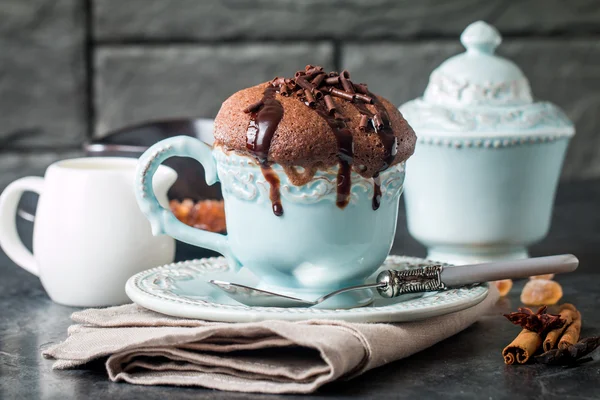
315,88
274,193
387,137
376,192
264,119
344,141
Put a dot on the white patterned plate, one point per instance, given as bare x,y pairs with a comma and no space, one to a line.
181,290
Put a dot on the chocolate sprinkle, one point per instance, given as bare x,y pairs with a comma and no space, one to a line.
318,80
361,88
377,121
291,84
314,71
346,84
363,97
364,123
341,94
329,104
304,84
278,81
334,80
310,99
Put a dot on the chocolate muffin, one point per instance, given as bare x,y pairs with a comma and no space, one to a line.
315,120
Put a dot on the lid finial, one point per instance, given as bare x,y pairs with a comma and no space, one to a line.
480,37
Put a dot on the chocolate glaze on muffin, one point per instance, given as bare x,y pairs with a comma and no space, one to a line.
315,121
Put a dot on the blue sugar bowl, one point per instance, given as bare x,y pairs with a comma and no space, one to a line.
488,157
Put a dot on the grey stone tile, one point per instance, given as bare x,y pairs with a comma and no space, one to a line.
14,165
340,19
42,85
564,72
398,72
134,84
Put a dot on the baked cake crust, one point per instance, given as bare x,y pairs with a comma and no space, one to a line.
303,138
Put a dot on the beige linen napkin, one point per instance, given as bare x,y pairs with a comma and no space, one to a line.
147,348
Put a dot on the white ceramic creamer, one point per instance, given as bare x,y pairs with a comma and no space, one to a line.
89,234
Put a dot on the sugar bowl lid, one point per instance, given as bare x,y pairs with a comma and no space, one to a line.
478,93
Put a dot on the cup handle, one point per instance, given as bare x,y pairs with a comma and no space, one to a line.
9,237
162,220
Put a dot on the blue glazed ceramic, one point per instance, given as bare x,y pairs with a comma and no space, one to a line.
313,248
488,158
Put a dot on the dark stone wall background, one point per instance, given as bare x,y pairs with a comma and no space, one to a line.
72,69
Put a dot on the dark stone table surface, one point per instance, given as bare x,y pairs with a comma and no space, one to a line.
466,366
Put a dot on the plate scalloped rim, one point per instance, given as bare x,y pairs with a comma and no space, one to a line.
155,289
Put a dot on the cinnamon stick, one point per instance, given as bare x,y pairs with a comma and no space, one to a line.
571,335
522,348
568,312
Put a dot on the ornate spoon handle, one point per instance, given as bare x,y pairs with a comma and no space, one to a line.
438,277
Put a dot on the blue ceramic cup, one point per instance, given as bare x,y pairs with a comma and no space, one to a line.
313,248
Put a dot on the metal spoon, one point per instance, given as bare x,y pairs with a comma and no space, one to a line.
392,283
